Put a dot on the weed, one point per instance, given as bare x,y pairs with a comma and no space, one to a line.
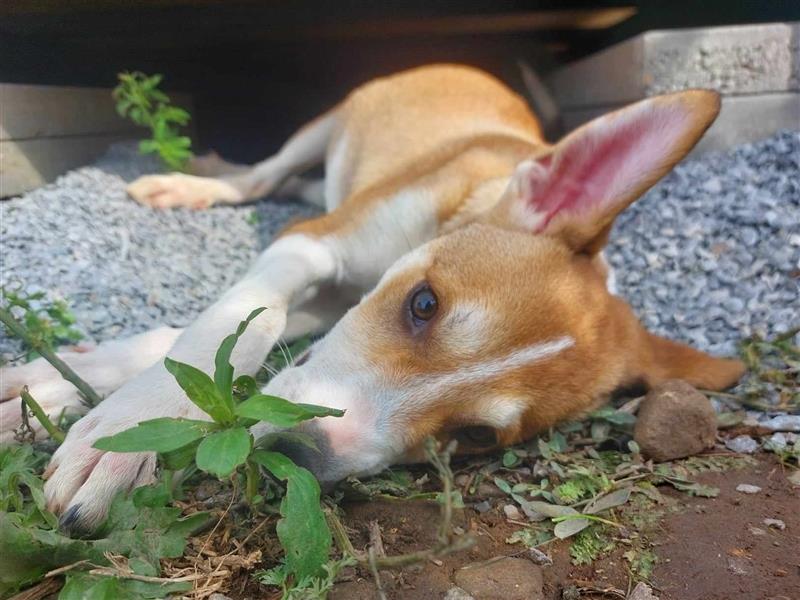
139,99
140,530
308,588
641,562
590,544
787,453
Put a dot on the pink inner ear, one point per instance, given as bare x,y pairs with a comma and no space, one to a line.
597,164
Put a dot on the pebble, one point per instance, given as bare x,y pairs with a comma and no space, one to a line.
674,421
512,512
746,488
642,591
775,523
739,565
539,558
456,593
503,579
783,423
743,444
483,507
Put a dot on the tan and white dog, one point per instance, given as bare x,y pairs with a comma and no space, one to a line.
458,269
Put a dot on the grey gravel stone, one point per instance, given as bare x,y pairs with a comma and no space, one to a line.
456,593
746,488
783,423
743,444
775,523
126,268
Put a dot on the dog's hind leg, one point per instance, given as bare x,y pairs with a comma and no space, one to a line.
303,150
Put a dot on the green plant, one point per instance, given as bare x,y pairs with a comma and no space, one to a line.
224,446
122,562
307,588
590,544
48,324
139,99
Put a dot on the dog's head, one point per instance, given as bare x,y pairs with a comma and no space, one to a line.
502,328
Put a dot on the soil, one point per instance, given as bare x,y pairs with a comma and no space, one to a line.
708,549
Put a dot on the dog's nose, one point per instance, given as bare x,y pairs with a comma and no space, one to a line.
307,447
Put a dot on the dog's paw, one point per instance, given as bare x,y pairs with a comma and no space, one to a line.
181,190
82,480
55,395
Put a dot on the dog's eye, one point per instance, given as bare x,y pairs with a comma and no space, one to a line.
476,436
423,304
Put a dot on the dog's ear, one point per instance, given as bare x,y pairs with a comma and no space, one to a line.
575,191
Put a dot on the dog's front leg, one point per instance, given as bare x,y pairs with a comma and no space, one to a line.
83,480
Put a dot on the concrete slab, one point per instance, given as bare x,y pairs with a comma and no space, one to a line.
755,67
743,59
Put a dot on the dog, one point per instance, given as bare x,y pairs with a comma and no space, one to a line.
457,271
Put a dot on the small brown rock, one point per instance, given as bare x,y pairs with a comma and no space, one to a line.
675,420
504,579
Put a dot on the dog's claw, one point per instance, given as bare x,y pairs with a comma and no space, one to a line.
69,522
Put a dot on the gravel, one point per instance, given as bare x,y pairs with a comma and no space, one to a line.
710,255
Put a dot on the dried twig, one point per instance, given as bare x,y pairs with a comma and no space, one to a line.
88,395
373,567
375,539
43,589
111,572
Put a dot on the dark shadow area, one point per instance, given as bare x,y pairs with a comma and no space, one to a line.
258,70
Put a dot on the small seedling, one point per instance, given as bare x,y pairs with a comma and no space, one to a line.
225,446
139,99
48,324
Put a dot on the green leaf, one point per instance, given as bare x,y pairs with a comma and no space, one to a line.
156,435
28,552
85,587
82,586
303,531
201,390
175,460
570,527
510,459
152,496
551,510
281,412
612,500
220,453
223,371
244,386
503,485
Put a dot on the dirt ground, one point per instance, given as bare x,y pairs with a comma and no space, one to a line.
707,548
